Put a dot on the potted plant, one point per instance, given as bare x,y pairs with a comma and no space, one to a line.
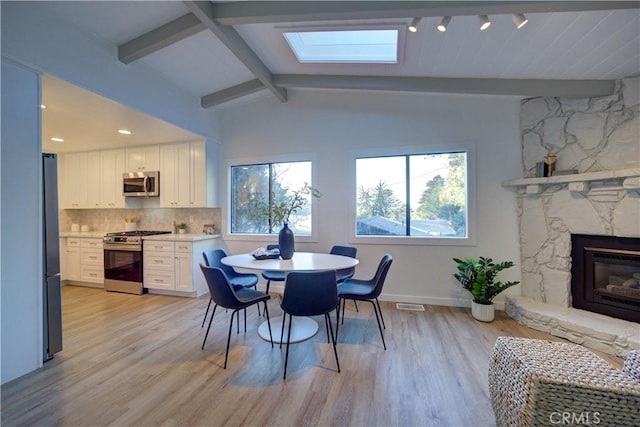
181,227
282,210
477,277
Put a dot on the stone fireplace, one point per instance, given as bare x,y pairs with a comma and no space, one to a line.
605,275
596,191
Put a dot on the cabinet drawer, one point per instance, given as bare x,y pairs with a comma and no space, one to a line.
92,274
163,261
73,242
183,247
158,279
157,246
91,243
92,257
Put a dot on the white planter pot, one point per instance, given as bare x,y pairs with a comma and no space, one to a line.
481,312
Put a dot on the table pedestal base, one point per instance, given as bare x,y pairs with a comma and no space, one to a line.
302,329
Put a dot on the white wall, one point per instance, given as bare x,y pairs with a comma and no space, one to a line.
21,266
33,34
333,123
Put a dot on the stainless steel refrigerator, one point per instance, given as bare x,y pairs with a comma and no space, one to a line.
52,296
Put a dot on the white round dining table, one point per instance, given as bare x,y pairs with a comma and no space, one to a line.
302,328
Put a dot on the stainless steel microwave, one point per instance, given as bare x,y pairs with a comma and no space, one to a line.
141,184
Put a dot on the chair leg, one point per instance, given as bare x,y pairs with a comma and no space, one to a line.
375,310
380,310
206,312
337,318
266,312
344,302
226,354
245,319
333,338
209,327
355,303
284,320
326,327
286,357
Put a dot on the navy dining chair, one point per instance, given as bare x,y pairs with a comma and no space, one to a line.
309,294
367,290
212,258
224,294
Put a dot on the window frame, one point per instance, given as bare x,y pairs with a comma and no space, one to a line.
469,147
265,237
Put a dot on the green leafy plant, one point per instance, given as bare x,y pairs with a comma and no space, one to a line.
477,277
281,211
181,226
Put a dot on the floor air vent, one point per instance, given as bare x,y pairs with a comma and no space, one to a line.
410,307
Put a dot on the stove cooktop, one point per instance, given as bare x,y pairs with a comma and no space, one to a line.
137,233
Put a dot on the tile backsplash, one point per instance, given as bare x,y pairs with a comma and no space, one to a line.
113,220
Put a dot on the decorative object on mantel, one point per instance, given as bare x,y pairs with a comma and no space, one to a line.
550,160
209,229
477,277
280,213
565,172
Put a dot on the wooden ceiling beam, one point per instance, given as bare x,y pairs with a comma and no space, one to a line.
256,12
515,87
236,44
159,38
231,93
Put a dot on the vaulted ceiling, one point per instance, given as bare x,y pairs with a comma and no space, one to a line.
224,51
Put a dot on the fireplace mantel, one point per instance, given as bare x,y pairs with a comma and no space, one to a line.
579,182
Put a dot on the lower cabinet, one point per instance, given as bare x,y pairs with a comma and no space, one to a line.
82,260
174,266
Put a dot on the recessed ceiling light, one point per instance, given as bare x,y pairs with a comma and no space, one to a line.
43,106
124,131
57,139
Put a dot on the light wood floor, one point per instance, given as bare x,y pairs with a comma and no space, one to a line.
136,360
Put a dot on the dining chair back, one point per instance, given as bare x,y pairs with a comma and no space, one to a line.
224,295
367,290
344,273
272,276
310,294
212,258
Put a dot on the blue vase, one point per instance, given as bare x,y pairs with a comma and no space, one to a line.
285,240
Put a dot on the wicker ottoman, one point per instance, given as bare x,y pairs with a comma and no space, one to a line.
540,383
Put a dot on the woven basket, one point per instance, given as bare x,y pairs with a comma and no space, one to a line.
537,382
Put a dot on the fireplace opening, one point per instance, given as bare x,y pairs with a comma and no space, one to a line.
605,275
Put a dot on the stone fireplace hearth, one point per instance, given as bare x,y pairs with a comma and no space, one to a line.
599,138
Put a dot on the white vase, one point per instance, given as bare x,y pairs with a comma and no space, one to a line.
482,312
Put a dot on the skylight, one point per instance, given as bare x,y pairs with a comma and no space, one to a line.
349,46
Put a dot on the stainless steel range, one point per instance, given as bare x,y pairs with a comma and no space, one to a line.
123,261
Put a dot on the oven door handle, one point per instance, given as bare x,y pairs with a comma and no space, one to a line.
116,247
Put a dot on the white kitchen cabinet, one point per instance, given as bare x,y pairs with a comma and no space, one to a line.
174,267
91,260
70,259
111,168
143,159
93,180
175,176
73,184
188,173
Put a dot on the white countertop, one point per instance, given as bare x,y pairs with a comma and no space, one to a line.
181,237
85,234
164,237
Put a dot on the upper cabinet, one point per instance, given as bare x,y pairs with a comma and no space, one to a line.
143,159
187,175
91,180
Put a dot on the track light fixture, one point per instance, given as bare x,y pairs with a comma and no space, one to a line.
484,22
519,20
413,27
442,26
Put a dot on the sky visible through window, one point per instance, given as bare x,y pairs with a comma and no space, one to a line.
368,46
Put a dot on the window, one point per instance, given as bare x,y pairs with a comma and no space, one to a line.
365,45
413,195
257,190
